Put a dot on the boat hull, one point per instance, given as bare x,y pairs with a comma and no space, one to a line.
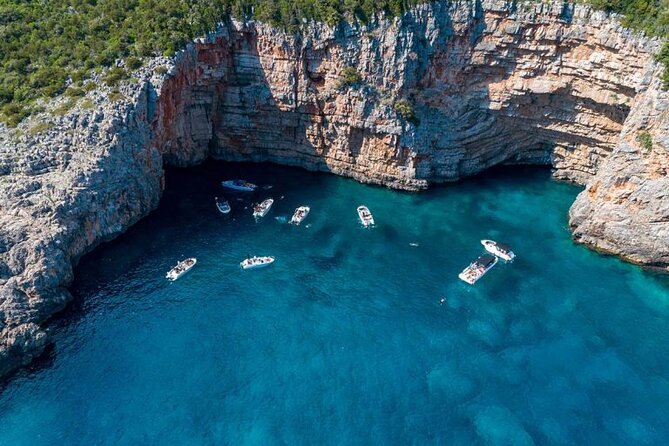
492,248
223,206
474,272
299,218
463,276
258,266
173,275
265,208
365,216
248,187
245,264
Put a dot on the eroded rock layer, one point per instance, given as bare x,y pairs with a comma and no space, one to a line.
488,84
445,91
624,209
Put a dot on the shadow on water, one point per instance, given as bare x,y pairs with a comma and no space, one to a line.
40,364
188,200
327,263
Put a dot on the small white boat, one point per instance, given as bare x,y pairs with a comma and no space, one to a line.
478,268
300,214
256,262
260,210
365,216
239,185
223,205
499,249
182,268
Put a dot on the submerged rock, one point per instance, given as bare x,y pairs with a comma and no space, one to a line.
496,425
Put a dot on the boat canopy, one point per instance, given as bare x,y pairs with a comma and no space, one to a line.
503,247
486,259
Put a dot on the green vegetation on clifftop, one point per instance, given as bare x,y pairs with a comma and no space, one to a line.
648,16
48,44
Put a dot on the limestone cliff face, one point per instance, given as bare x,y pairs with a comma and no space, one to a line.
624,209
82,182
489,82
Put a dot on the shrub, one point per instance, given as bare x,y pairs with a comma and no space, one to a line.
115,95
645,140
349,77
114,75
78,76
133,63
405,110
160,70
87,104
15,113
75,92
663,57
64,108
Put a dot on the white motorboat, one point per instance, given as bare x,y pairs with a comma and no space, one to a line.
182,268
478,268
499,249
223,205
260,210
256,262
300,214
365,216
239,185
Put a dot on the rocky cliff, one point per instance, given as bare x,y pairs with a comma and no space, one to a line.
624,209
489,83
443,92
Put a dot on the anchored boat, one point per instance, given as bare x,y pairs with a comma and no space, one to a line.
260,210
365,216
222,205
182,268
239,185
300,214
478,268
256,262
499,249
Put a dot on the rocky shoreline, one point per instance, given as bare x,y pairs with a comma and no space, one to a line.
446,91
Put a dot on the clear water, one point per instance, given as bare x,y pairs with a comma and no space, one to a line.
345,340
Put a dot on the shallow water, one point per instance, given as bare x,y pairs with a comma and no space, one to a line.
345,340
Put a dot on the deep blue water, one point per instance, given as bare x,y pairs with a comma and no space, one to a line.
344,339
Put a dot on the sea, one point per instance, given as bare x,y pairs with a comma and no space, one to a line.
354,335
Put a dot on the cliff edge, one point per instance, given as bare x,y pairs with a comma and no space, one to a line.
445,91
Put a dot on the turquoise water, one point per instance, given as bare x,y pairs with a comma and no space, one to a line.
345,340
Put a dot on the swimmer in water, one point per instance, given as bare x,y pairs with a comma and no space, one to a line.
442,300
